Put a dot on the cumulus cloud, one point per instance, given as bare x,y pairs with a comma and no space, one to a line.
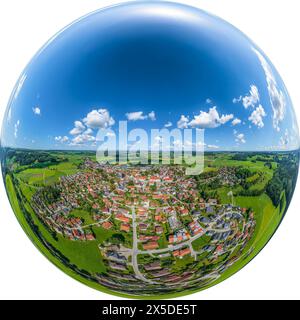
88,131
135,116
64,139
288,141
99,119
16,128
139,115
83,130
285,140
239,137
78,128
210,119
236,121
36,111
277,97
152,116
182,123
82,139
168,124
61,139
257,116
250,99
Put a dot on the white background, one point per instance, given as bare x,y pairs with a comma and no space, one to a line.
26,25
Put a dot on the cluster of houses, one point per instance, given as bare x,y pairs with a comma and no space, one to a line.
170,216
225,176
179,236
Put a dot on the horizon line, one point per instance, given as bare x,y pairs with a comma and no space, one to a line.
156,151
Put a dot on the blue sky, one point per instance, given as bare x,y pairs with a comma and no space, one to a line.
156,66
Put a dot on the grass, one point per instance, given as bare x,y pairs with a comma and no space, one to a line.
102,234
180,264
16,208
47,176
200,242
163,242
86,216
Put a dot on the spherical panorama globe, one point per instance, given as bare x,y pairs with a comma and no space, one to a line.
150,150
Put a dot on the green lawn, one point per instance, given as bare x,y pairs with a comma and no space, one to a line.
86,216
47,176
200,242
180,264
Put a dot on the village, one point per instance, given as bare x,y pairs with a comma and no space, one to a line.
168,236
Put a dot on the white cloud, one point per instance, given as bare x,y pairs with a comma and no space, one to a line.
236,121
188,144
225,118
208,100
182,123
211,146
239,137
82,139
83,130
36,111
210,119
277,97
249,100
78,128
88,131
285,140
61,139
139,115
16,128
237,100
64,139
257,116
135,116
152,116
99,119
168,124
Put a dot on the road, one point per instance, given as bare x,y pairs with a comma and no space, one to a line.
135,250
